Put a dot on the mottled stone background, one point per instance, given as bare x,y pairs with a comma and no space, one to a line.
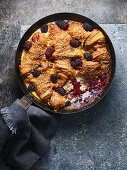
97,138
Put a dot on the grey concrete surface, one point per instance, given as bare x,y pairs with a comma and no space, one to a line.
96,139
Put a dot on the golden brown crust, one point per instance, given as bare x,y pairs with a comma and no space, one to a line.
35,59
40,39
90,69
61,42
25,69
94,37
30,59
57,101
63,66
43,83
46,96
77,31
62,79
30,78
105,66
53,31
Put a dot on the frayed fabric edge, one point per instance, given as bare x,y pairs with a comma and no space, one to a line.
8,119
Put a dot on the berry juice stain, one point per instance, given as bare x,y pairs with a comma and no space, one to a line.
86,96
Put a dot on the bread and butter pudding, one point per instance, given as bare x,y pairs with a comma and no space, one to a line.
66,64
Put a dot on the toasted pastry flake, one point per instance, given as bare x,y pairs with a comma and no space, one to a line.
62,79
53,31
43,83
90,68
105,66
57,101
63,66
77,31
25,69
96,36
46,96
40,39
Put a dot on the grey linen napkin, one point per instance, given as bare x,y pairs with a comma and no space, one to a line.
25,135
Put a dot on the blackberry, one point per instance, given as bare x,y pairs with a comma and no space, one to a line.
76,62
68,103
88,56
36,73
27,45
75,43
49,52
44,28
54,78
87,27
54,87
31,88
62,24
61,91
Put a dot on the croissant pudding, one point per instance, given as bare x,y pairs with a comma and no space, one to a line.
66,64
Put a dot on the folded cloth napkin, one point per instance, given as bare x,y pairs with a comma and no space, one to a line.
24,135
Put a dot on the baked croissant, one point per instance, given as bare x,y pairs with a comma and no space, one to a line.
90,69
57,101
63,66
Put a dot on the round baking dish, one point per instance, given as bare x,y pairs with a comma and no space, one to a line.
37,25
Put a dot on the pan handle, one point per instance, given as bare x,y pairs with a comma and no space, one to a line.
25,102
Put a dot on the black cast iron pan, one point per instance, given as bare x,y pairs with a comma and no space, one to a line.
37,25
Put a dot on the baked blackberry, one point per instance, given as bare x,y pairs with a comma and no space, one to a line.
61,91
36,73
54,78
88,56
31,88
75,43
87,27
76,62
49,52
54,87
62,24
68,103
44,28
27,45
